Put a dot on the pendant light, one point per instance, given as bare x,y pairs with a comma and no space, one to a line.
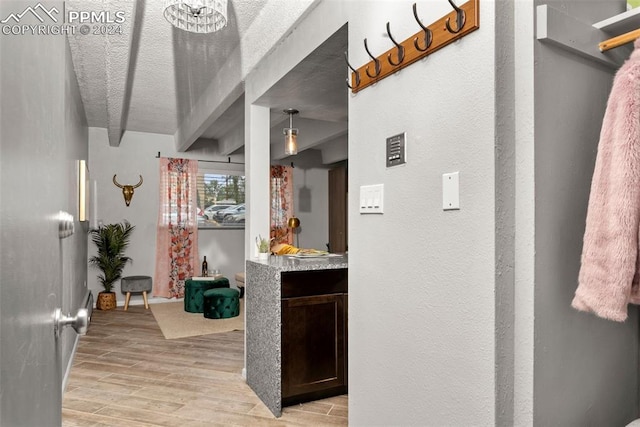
290,134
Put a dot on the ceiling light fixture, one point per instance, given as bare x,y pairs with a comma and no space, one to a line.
197,16
290,134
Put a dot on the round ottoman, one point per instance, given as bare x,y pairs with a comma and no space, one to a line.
240,283
221,303
136,284
194,289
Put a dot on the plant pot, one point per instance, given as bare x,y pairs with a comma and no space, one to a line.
263,256
106,301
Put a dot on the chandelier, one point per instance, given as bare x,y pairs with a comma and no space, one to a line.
197,16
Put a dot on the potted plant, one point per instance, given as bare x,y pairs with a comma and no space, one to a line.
111,241
263,247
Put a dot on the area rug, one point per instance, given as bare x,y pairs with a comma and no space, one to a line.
177,323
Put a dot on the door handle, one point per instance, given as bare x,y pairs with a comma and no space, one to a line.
80,322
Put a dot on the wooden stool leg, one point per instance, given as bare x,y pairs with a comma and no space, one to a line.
126,301
146,303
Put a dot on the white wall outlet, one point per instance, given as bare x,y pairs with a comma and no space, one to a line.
372,199
451,191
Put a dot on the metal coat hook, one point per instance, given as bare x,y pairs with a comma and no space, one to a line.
424,40
428,34
376,61
460,18
398,46
346,58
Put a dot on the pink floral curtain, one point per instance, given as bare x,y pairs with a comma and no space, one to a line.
281,203
177,239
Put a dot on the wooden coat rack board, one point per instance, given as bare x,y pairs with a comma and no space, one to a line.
443,32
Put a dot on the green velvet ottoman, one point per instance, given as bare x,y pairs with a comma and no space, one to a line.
194,290
221,303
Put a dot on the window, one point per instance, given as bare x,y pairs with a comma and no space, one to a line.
220,199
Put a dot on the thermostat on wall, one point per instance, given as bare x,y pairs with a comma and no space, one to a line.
396,150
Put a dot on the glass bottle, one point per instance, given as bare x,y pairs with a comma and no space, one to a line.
205,267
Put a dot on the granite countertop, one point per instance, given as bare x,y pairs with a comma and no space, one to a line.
288,263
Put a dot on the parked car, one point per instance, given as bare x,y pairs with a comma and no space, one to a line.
221,214
236,219
173,217
239,210
210,211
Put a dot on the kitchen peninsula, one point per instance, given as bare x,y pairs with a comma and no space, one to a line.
296,329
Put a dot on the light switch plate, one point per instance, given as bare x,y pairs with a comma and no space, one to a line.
372,199
451,191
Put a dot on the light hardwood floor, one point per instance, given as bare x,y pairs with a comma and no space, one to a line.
126,374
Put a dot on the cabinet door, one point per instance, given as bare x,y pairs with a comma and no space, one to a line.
313,347
338,204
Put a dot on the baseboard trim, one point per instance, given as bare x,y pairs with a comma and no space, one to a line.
152,300
65,377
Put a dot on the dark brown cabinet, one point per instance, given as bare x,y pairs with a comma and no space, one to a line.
314,335
338,202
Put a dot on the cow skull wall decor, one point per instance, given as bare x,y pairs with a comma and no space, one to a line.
127,190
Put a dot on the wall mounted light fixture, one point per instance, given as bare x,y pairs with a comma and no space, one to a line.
83,191
290,134
294,223
197,16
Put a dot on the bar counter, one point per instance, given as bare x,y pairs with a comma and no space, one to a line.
304,287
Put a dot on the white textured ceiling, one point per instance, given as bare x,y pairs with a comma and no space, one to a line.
150,77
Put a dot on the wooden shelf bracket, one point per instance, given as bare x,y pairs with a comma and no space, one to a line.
566,32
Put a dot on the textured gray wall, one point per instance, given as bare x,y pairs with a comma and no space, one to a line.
135,156
505,212
422,280
73,146
311,200
42,136
586,368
